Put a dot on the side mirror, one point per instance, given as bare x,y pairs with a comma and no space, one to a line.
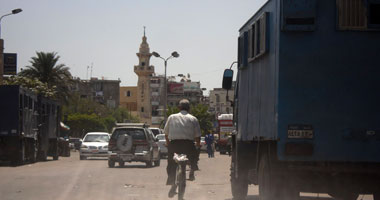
227,79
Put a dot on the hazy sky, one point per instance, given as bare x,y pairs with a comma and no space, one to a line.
107,34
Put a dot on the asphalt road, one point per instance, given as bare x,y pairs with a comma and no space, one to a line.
70,178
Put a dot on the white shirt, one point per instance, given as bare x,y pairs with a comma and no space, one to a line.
182,126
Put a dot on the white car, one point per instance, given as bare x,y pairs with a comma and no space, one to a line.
203,145
161,143
94,144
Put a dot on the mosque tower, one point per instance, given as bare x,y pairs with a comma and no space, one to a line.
144,72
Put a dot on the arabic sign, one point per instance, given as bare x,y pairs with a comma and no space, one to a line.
175,88
10,63
191,86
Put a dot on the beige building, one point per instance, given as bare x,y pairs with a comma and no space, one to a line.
218,101
144,72
128,99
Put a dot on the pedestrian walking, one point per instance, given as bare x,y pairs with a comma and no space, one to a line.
209,139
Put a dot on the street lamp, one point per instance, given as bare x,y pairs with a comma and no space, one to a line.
15,11
174,55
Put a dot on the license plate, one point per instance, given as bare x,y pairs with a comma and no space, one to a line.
300,132
95,151
126,157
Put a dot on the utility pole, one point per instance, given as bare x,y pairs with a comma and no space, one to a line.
1,61
15,11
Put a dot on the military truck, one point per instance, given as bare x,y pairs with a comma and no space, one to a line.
307,108
48,127
29,125
18,124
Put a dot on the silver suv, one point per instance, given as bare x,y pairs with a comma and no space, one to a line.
133,143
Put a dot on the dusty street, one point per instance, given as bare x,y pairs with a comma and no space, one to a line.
70,178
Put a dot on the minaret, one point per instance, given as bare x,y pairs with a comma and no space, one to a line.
144,72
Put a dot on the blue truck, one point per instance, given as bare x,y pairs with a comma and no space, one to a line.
29,125
307,100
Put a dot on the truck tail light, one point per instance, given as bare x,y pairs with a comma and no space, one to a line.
111,144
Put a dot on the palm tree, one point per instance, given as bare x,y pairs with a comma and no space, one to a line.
44,67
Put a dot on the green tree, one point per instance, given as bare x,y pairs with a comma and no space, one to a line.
80,124
205,119
44,67
122,114
199,111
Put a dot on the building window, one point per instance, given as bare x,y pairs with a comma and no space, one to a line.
217,98
142,109
128,93
142,63
358,14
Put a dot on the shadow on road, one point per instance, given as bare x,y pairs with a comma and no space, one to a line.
256,197
9,163
134,166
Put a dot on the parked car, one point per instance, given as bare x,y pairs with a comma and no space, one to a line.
75,143
95,144
224,145
156,131
63,147
133,144
203,145
160,138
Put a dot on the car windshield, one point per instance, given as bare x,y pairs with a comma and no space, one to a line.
155,131
161,137
137,134
96,138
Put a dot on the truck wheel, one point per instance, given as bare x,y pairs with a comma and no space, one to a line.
121,164
20,155
34,151
42,156
149,164
239,185
157,162
82,157
56,152
272,185
111,163
376,196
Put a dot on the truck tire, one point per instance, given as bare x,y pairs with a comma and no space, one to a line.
33,152
149,163
56,152
111,163
272,184
376,196
121,164
20,155
42,156
239,185
157,162
124,142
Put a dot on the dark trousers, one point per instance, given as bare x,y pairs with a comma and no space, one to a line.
180,147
